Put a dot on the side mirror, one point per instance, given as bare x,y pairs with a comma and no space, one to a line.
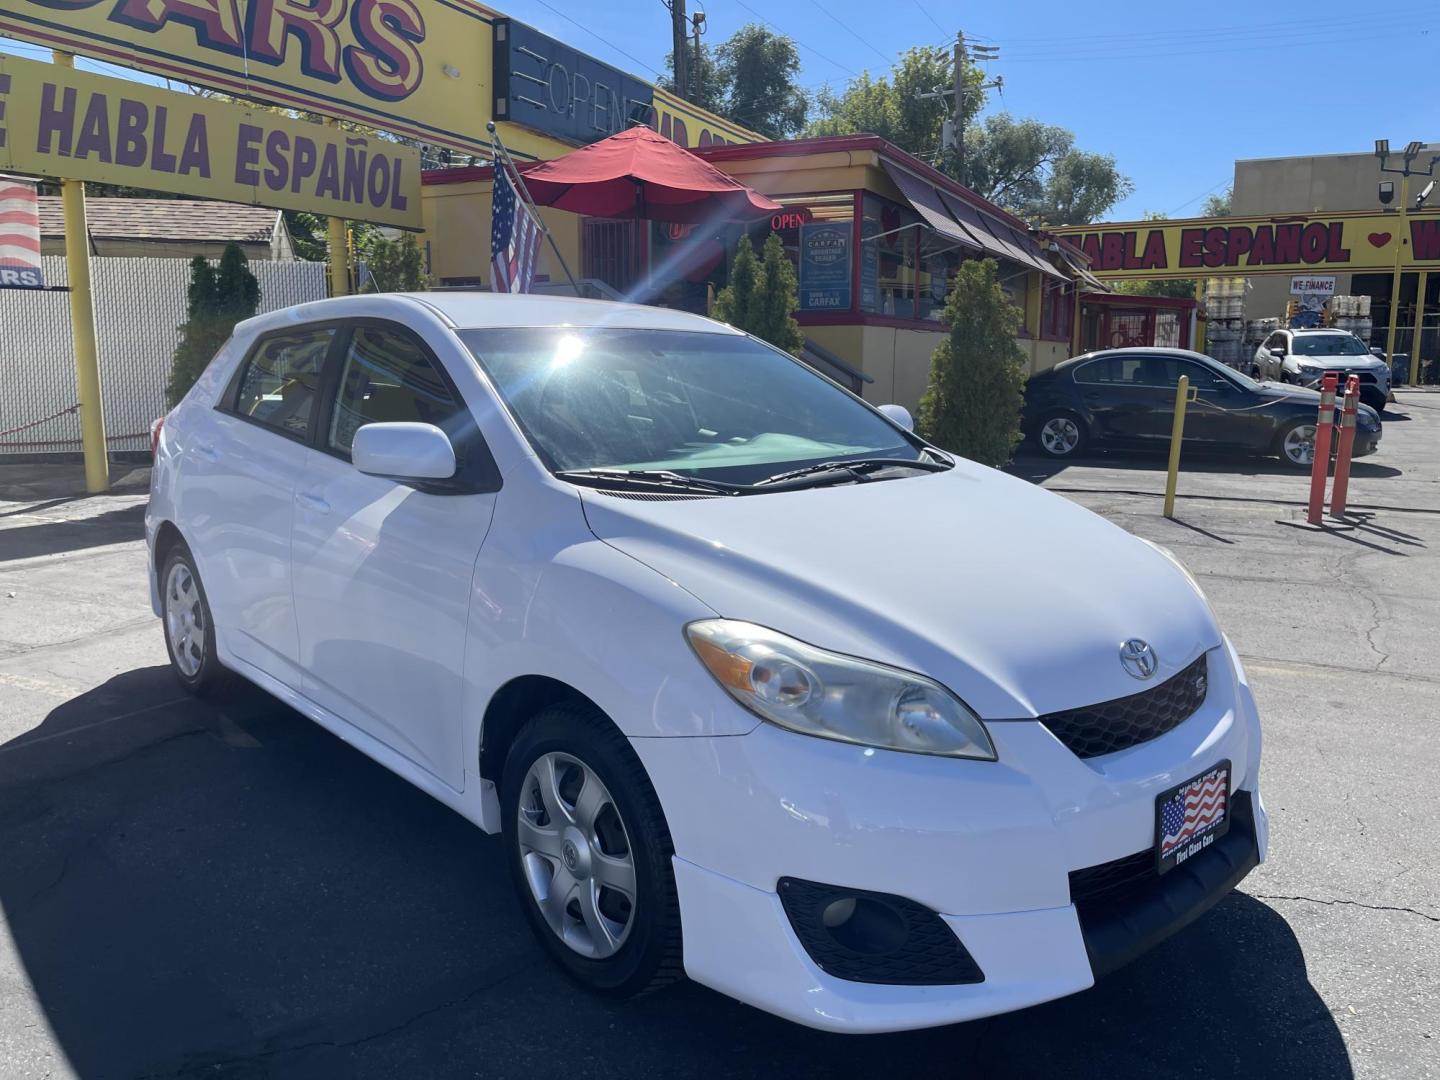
900,415
403,451
1278,350
1375,350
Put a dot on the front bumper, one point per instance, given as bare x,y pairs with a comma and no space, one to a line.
988,846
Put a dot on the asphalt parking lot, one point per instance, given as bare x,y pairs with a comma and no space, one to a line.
228,891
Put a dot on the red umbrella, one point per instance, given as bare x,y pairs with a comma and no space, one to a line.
641,174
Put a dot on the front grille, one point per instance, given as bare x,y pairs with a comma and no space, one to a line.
1094,730
882,939
1365,376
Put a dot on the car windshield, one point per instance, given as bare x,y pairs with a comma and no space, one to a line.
706,405
1329,345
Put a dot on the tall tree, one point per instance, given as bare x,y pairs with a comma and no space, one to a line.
1218,205
1030,168
751,78
395,266
762,295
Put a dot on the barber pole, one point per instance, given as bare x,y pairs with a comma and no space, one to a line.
1324,427
1347,443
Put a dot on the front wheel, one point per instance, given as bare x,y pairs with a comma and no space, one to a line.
589,852
1296,444
1061,435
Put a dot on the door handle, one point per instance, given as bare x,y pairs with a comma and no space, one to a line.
206,451
312,502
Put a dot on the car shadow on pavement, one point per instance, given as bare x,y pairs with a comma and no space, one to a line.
227,890
1030,464
116,526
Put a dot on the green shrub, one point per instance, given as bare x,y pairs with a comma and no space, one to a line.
977,376
762,295
218,297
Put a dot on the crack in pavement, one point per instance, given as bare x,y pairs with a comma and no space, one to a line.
218,1064
1349,903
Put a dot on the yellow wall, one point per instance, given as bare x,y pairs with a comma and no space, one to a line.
457,228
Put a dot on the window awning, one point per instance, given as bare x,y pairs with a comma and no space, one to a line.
926,201
1082,271
1004,240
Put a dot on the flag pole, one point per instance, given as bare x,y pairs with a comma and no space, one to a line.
503,160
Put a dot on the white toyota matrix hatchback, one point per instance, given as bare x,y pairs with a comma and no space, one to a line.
757,686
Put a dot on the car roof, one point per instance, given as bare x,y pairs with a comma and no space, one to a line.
1180,354
1318,330
464,310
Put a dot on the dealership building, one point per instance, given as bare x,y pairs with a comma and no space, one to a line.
1341,183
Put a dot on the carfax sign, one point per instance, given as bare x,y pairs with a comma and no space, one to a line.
1310,244
56,121
825,267
414,67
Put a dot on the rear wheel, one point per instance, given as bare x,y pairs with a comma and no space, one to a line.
1296,444
589,852
189,627
1061,435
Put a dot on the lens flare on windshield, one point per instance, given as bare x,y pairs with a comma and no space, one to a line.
567,350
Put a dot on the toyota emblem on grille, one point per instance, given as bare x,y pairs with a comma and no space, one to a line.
1138,658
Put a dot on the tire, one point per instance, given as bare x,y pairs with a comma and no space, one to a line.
1294,436
1061,435
1375,399
189,627
610,943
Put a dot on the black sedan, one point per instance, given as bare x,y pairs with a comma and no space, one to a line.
1127,397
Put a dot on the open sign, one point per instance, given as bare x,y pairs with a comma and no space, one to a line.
791,219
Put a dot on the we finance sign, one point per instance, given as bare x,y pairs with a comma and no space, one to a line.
419,68
59,122
1253,246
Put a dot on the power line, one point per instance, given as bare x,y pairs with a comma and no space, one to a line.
847,28
1179,49
792,37
1283,25
926,12
631,56
1211,189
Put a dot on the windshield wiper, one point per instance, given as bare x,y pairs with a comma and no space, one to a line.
857,468
651,478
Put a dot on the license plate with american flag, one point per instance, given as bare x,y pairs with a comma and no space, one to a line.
1191,817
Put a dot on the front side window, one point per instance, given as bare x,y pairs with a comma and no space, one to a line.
387,377
282,377
717,406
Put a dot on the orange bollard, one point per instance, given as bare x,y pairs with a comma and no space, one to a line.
1324,423
1347,444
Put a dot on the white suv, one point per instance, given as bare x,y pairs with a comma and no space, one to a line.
757,686
1304,357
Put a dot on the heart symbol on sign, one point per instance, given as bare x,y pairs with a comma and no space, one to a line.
1378,239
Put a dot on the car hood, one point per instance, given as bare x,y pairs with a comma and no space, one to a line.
1015,598
1276,392
1349,361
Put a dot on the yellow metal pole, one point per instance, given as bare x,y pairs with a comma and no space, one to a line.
1403,235
1182,395
82,327
339,245
1419,326
339,258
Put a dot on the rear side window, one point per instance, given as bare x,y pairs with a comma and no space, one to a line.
1129,370
281,380
387,377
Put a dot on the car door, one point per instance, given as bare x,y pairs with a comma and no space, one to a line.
245,457
1120,397
1269,361
382,569
1220,413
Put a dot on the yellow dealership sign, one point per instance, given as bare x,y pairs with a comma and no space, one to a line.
419,68
59,122
1281,244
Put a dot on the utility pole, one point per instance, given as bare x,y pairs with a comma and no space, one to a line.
697,24
957,137
952,136
677,47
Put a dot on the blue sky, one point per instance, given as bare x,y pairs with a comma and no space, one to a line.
1175,92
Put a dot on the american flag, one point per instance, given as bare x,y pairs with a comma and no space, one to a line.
1195,809
514,238
19,235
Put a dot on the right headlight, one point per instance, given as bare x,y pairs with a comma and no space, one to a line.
832,696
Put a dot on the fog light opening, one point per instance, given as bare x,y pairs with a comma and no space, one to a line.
864,925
